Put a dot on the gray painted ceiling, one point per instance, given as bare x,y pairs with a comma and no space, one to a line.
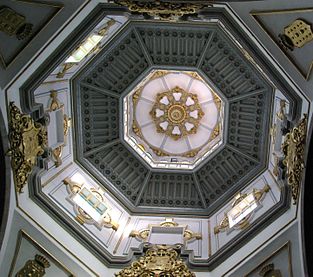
121,64
200,46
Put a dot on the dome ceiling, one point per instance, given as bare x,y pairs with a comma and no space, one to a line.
172,119
168,120
172,150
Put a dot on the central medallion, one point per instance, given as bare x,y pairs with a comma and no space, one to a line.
173,119
176,113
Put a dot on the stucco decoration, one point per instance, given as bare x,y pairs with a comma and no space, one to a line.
121,65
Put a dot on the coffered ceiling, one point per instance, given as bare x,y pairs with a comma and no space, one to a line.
162,119
139,47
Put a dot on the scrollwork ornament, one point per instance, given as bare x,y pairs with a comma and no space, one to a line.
158,261
143,234
163,10
28,140
293,149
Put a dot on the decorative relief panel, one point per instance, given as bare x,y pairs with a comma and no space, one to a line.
28,141
89,46
276,264
21,23
291,30
14,24
297,34
158,261
280,127
293,148
168,225
164,10
55,99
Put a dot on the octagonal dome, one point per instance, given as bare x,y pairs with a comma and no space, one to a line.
104,91
173,119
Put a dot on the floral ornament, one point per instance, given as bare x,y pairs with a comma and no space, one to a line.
176,113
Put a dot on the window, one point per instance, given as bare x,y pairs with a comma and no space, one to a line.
241,209
90,203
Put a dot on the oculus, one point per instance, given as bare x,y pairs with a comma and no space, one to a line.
173,119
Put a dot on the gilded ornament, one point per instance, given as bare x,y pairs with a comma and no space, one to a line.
54,105
54,102
191,153
216,131
217,101
270,271
297,34
14,24
34,268
293,149
164,10
104,30
176,118
64,69
136,96
159,152
194,75
158,261
56,155
28,140
158,74
143,234
66,124
137,129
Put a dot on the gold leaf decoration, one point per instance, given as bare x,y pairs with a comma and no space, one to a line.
28,140
35,267
162,9
177,114
293,149
158,261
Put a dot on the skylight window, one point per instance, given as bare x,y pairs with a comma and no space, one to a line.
243,208
83,50
90,203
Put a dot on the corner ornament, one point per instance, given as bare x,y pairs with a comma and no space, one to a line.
293,149
27,141
14,24
159,260
35,267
